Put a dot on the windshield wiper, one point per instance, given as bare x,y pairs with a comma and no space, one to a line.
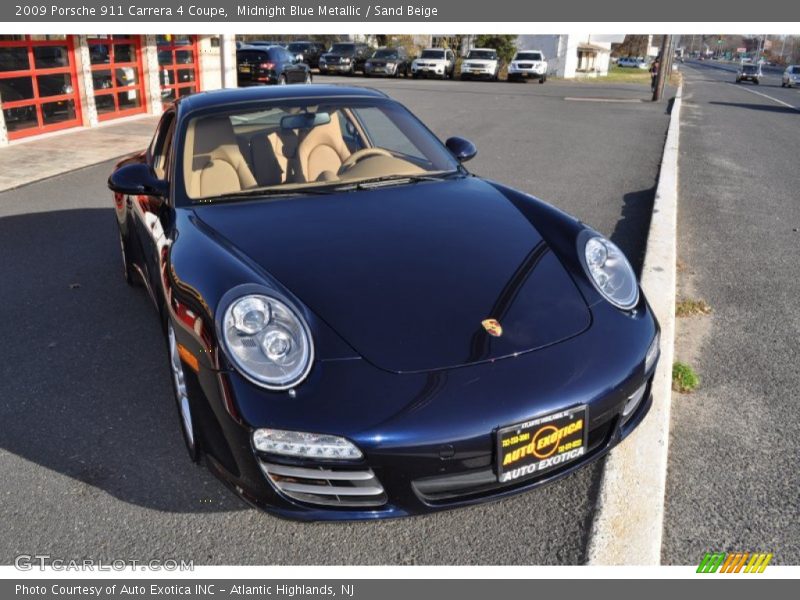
387,180
265,193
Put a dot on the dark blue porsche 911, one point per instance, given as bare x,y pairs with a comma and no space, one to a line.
359,328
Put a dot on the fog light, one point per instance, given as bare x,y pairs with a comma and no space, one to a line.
652,353
304,445
633,401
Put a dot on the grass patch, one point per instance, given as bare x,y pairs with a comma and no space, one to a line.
690,308
684,379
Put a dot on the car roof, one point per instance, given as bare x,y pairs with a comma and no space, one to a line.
224,97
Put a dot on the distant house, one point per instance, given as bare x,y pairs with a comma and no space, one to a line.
573,55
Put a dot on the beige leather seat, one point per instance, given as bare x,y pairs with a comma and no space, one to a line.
275,158
216,165
322,150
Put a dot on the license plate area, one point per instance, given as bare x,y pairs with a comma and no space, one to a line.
540,445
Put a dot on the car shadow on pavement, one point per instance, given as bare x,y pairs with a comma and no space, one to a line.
84,383
630,231
765,107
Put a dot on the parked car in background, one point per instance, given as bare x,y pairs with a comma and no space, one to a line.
269,65
481,63
310,51
749,72
388,62
528,64
791,76
633,62
345,57
434,62
265,43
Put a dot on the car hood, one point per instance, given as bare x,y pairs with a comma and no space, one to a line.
408,274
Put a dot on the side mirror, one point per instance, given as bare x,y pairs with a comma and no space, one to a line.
462,149
137,178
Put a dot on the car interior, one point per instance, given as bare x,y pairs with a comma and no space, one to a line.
224,155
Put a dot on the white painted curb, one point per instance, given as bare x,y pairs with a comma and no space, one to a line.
628,524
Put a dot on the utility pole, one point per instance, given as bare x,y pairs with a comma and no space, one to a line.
663,64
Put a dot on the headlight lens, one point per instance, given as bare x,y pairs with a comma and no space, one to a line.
267,341
611,272
306,445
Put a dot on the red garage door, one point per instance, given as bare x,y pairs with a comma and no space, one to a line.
178,66
117,76
38,84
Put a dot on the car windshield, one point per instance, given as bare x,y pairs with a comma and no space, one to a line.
432,54
308,146
529,56
749,68
385,54
482,54
297,48
796,70
342,48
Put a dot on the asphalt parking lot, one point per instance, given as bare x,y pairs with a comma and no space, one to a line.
90,449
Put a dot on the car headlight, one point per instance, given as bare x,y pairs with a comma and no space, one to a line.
610,272
267,341
305,445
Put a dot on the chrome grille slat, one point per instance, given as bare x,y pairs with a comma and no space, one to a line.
330,490
306,473
326,486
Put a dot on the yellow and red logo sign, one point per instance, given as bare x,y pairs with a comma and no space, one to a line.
492,327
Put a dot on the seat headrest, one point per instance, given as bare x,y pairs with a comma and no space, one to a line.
212,132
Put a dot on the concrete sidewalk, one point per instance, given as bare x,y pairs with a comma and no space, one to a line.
61,153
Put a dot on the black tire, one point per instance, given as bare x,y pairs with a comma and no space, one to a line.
756,81
542,79
463,77
783,84
415,76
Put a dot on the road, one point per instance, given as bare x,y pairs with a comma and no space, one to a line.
734,467
91,457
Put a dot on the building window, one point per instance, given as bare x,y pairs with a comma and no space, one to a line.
177,65
116,65
38,84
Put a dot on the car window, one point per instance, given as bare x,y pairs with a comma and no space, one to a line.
384,133
323,132
159,147
482,54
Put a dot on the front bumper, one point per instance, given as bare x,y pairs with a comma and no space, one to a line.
427,70
335,68
388,69
428,439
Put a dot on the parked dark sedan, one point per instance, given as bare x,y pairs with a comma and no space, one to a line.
388,62
310,51
345,58
272,64
359,328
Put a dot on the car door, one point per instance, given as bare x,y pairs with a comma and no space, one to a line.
295,71
150,213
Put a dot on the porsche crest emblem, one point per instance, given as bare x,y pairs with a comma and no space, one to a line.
492,327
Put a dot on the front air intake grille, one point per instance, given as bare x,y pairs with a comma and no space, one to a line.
326,486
